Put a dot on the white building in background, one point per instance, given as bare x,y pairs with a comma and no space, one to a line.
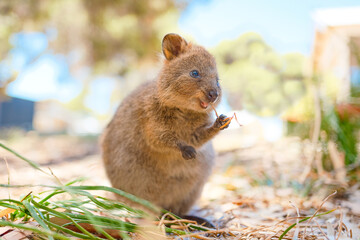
337,46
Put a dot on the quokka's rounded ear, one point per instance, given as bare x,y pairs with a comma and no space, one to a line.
173,45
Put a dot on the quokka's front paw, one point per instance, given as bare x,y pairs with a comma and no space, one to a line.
222,122
188,152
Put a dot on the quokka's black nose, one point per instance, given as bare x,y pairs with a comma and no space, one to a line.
212,95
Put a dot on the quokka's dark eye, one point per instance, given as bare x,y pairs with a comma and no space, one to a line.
195,74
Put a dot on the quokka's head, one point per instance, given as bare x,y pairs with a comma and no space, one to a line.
189,77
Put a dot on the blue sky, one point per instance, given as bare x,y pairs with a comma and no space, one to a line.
42,74
286,25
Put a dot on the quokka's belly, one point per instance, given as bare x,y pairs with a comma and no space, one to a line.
183,186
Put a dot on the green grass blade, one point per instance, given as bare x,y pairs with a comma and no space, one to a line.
35,230
175,231
118,205
11,200
68,231
105,222
122,234
97,228
8,205
31,163
129,196
74,189
106,204
74,207
21,186
70,204
64,216
80,179
37,218
303,220
197,227
50,196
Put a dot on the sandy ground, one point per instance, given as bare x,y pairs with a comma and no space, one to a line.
254,183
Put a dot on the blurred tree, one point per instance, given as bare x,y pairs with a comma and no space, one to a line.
257,78
108,37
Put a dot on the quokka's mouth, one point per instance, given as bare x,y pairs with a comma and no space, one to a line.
204,105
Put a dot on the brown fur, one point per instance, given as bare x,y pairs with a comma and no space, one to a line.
157,146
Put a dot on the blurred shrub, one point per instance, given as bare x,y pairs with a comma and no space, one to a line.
257,78
101,31
341,125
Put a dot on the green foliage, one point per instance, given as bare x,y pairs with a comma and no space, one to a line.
104,28
108,37
257,78
342,130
